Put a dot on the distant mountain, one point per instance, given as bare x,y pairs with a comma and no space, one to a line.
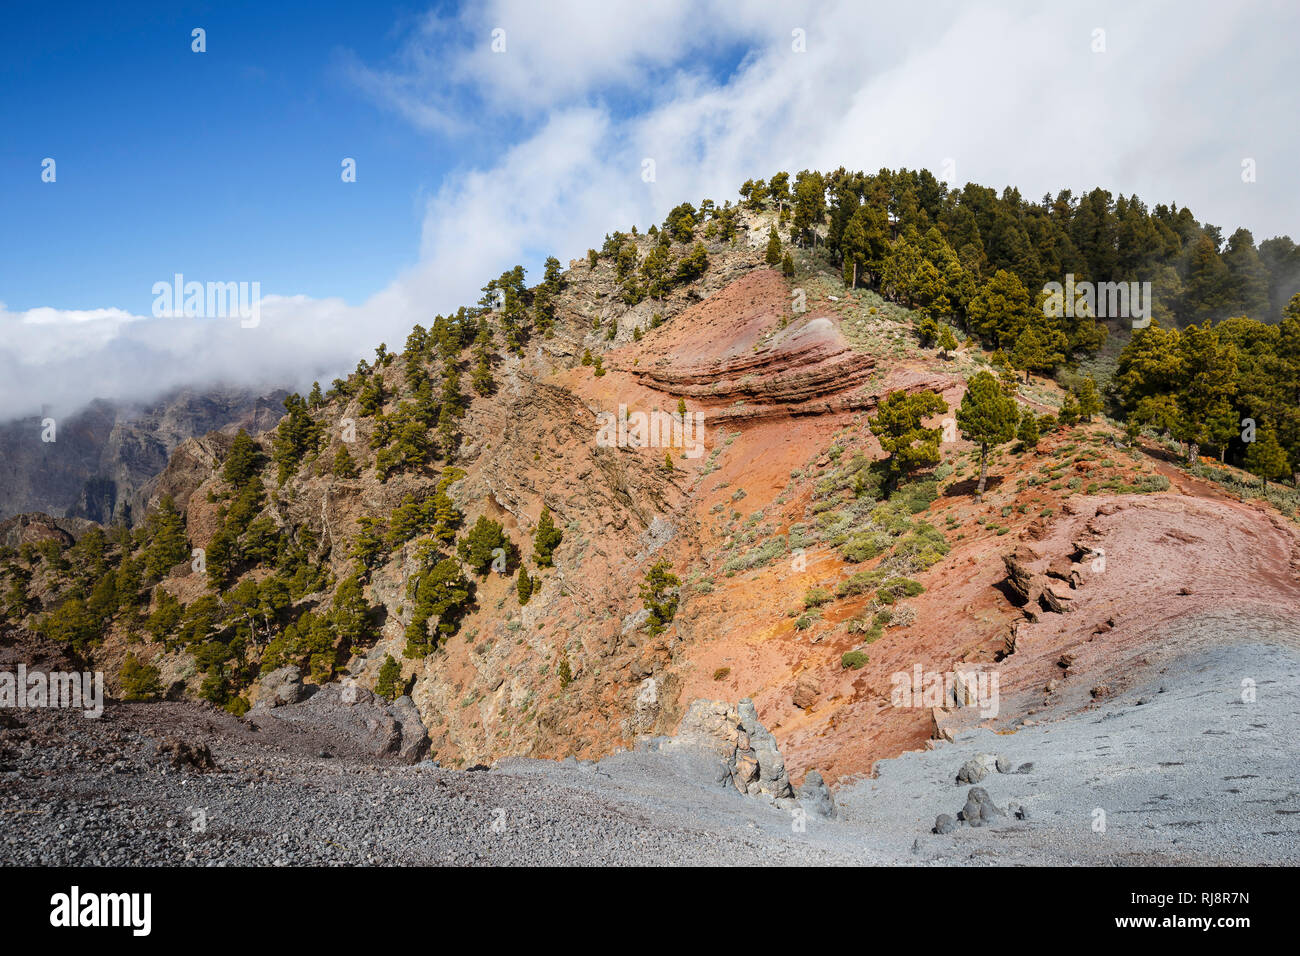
102,457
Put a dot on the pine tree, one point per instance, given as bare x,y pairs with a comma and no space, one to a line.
1001,309
546,539
927,331
296,436
481,376
344,466
1028,431
1005,371
692,265
165,533
947,342
523,586
787,265
442,594
899,426
139,681
1039,347
773,254
987,416
1069,414
163,621
242,461
479,547
1089,399
660,594
1265,457
389,684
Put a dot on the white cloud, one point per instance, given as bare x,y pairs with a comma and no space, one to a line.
1013,95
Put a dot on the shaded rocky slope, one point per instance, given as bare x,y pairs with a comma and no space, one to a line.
103,457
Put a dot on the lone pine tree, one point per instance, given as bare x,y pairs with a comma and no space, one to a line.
987,417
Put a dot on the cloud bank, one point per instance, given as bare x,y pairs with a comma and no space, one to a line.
1165,100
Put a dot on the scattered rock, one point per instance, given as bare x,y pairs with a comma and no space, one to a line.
1060,568
980,808
815,796
353,719
184,755
944,824
942,725
977,768
806,692
1004,764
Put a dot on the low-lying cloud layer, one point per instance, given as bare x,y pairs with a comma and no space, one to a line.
1165,100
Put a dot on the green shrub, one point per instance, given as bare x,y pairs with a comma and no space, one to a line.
816,597
854,660
139,681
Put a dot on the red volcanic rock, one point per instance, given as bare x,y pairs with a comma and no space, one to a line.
756,361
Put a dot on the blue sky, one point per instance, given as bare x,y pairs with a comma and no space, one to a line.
225,165
222,164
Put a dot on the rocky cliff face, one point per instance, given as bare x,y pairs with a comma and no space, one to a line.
102,458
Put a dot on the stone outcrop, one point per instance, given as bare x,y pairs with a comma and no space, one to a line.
355,721
280,687
1032,588
754,765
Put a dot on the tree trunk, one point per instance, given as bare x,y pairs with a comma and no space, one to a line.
984,457
855,275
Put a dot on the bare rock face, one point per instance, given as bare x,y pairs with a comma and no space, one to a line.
749,364
772,778
647,706
280,687
415,741
35,528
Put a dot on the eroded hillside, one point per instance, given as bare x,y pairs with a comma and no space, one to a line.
378,533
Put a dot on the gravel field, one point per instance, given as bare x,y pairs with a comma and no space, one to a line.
1183,769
